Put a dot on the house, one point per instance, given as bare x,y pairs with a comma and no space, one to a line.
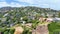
49,19
56,19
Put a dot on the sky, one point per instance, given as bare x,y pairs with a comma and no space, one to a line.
53,4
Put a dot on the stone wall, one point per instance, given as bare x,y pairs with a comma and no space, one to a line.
41,29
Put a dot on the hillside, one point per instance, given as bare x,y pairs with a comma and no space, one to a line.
27,13
10,16
29,9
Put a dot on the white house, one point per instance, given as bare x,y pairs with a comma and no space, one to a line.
49,19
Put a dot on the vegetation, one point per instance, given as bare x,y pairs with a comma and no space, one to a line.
11,16
54,27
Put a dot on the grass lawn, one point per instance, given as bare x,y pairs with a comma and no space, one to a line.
54,28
